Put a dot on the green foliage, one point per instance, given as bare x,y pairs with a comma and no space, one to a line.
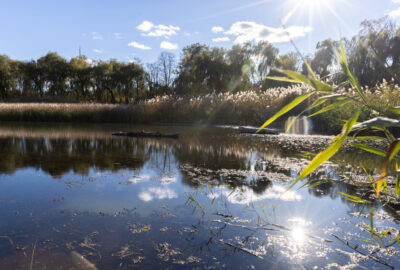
362,103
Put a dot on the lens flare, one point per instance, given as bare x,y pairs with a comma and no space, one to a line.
298,235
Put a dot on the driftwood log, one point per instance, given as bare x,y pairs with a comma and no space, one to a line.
147,134
252,130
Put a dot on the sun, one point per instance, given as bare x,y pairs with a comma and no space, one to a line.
309,9
313,2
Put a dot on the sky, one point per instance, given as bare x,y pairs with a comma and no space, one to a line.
128,30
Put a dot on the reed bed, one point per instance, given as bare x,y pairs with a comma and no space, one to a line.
242,108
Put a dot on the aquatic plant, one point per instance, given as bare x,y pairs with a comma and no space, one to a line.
383,117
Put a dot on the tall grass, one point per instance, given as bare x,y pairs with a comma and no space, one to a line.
243,108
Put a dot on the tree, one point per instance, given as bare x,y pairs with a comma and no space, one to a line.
324,57
167,65
374,53
153,77
80,78
263,56
55,72
6,80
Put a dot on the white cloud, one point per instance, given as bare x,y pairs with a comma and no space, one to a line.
138,45
396,1
97,51
395,13
251,31
118,35
145,26
217,29
151,30
96,36
221,39
166,45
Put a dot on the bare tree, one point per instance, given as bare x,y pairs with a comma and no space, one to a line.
167,64
153,70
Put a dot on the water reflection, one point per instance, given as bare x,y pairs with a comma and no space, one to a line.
158,193
245,195
122,202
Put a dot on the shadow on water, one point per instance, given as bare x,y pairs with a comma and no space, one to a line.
212,199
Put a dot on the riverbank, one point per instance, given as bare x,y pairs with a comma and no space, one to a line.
250,108
243,108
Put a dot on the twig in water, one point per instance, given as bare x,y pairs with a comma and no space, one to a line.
33,254
362,253
248,251
9,239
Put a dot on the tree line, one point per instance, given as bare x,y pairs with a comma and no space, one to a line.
373,55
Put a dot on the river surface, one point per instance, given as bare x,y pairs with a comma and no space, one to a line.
75,197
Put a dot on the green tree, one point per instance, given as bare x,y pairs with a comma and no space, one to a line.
80,78
6,79
55,72
324,57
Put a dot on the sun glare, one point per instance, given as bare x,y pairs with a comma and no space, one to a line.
308,8
298,235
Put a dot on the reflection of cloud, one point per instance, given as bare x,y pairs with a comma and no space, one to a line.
246,195
139,178
159,193
168,179
300,222
251,31
212,196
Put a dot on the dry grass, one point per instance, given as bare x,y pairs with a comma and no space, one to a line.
250,108
243,108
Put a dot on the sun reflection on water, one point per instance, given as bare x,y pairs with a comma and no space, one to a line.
298,235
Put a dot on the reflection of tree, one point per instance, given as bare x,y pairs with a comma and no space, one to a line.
59,156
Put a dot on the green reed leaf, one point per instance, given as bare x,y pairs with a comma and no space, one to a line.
331,107
285,109
330,151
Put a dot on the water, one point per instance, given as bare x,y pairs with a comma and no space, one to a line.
210,200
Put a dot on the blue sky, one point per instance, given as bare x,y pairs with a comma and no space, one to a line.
125,30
